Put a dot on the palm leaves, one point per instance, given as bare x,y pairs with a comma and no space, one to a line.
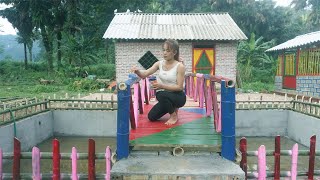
314,16
251,54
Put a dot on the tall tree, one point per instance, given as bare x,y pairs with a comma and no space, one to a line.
18,15
43,19
59,13
314,16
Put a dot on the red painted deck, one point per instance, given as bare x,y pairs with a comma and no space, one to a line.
192,129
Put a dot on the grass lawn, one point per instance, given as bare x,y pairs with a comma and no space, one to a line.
39,91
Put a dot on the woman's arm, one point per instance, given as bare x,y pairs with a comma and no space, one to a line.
145,73
180,79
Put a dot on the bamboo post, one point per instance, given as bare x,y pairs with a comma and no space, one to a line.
145,91
312,154
243,150
227,121
140,103
91,160
74,157
56,160
108,163
36,164
16,159
277,149
196,90
262,163
209,100
294,162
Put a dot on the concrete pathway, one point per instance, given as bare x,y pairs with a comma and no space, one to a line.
192,166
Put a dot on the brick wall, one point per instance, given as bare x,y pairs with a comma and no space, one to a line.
278,82
128,54
226,54
308,85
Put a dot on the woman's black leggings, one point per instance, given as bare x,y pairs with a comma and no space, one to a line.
167,103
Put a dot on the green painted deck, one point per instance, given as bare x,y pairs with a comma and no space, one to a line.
193,129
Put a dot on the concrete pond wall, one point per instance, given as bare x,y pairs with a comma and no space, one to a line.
269,123
33,130
264,123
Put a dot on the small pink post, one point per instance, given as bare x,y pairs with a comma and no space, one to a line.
191,86
143,84
1,163
200,89
108,164
219,120
209,101
294,161
262,174
36,164
74,157
136,102
148,90
196,90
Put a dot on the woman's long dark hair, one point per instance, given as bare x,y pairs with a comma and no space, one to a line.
174,46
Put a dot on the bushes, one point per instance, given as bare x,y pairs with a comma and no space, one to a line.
103,71
85,84
258,87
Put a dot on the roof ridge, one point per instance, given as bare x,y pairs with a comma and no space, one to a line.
143,13
310,33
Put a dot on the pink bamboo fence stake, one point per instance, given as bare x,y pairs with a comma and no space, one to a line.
200,88
214,103
143,83
1,163
108,164
145,91
36,164
209,100
140,99
195,92
188,86
136,102
262,174
74,157
191,86
294,162
218,128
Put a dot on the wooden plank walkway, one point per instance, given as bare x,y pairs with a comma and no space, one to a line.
193,129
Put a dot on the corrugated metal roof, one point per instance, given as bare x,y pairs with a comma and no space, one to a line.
298,41
190,26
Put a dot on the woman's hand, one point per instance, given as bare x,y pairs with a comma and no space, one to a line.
156,85
134,69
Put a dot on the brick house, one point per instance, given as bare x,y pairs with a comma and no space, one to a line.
298,67
208,42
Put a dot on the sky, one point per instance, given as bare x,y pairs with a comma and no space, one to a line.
6,27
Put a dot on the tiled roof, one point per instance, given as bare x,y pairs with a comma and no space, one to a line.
190,26
298,41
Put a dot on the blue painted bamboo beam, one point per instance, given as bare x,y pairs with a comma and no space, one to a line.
228,121
123,114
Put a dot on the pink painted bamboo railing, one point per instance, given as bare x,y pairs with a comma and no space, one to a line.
292,173
141,94
202,89
74,156
198,86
